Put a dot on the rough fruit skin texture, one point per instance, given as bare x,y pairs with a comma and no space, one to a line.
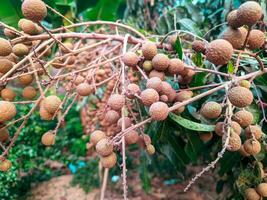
149,50
149,96
256,39
133,89
176,66
183,96
160,62
127,122
251,194
219,52
199,46
243,117
240,96
109,161
20,50
233,20
5,47
252,146
150,149
234,126
235,36
34,10
253,130
5,65
116,101
112,116
155,73
130,59
249,13
27,26
104,147
7,111
44,114
29,93
84,89
168,90
234,142
131,137
243,152
262,189
48,139
8,94
25,79
51,103
211,110
96,136
4,134
5,165
154,83
159,111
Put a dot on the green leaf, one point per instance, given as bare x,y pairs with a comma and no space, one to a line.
230,67
10,12
197,59
190,124
199,79
228,161
178,47
193,146
255,110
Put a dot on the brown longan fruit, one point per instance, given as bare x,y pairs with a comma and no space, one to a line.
252,146
48,139
205,137
78,80
130,59
149,50
219,52
132,90
84,89
112,116
96,136
256,39
131,137
34,10
116,101
144,140
154,83
243,117
149,96
163,98
176,66
51,103
8,94
29,93
147,65
251,194
44,114
236,37
249,13
104,147
159,111
211,110
7,111
4,134
10,33
5,47
27,26
178,110
234,142
240,96
168,90
243,152
155,73
69,45
245,84
199,46
183,96
150,149
20,50
262,189
5,165
127,122
160,62
25,79
220,126
5,65
253,130
233,20
109,161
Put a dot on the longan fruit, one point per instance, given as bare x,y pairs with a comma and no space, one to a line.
84,89
132,90
199,46
233,20
27,26
8,94
5,165
4,134
245,84
78,80
256,39
104,147
25,79
10,33
48,139
69,45
251,194
44,114
109,161
205,137
149,96
262,189
240,96
131,137
29,93
147,65
127,123
252,146
178,110
234,142
34,10
149,50
20,50
96,136
51,103
150,149
160,62
253,130
219,128
243,117
243,152
211,110
159,111
112,116
130,59
116,102
5,47
154,83
184,95
7,111
144,140
155,73
236,37
176,66
5,65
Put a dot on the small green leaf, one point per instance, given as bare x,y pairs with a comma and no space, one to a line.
197,59
255,110
228,161
230,68
190,124
193,146
199,79
178,47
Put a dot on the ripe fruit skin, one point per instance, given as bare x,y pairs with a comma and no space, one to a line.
27,26
69,45
9,33
251,194
160,62
150,149
116,101
96,136
211,110
144,140
149,50
25,79
48,139
245,84
112,116
149,96
147,65
20,50
8,94
253,130
133,89
109,161
233,20
78,80
234,126
243,117
262,189
4,134
159,111
154,83
243,152
256,39
5,65
234,142
252,146
130,59
205,137
240,96
29,93
5,165
131,137
44,114
7,111
51,103
219,52
84,89
34,10
5,47
235,36
199,46
127,122
178,110
104,147
155,73
249,13
176,66
183,96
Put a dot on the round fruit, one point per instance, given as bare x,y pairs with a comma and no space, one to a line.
132,90
127,122
109,161
183,96
34,10
233,20
96,136
159,111
243,152
147,65
253,130
29,93
20,50
9,33
144,140
236,37
27,26
131,137
51,103
155,73
7,111
5,65
172,39
262,189
149,96
5,47
252,146
163,98
4,134
25,79
154,83
211,110
149,50
130,59
251,194
112,116
220,128
78,80
5,165
249,13
180,109
69,45
150,149
199,46
104,147
176,66
168,90
8,94
160,62
116,101
219,52
240,96
48,139
84,89
256,39
205,137
44,114
245,84
234,142
243,117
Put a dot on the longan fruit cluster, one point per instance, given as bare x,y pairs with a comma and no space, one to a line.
256,193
